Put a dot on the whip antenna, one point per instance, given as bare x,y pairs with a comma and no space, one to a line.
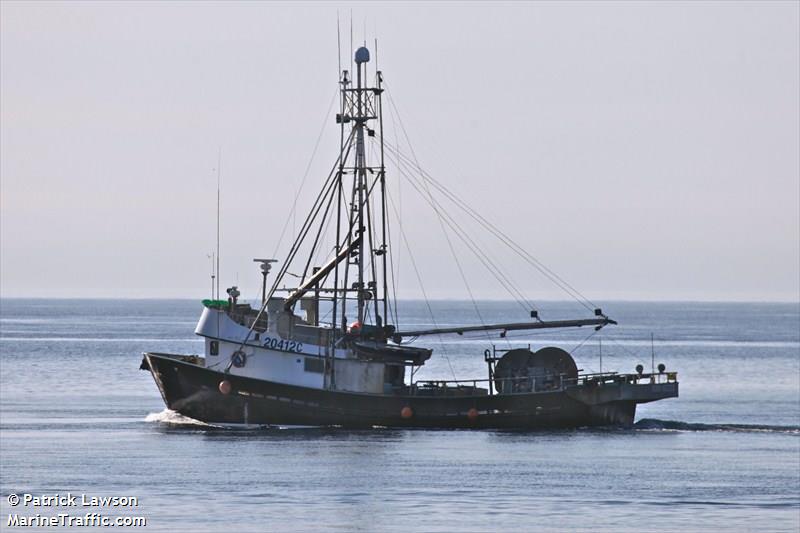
338,45
219,173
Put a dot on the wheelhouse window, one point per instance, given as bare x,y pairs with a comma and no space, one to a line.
213,348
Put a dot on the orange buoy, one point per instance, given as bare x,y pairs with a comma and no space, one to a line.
472,414
225,387
406,412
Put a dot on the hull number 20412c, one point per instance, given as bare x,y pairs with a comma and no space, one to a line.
284,345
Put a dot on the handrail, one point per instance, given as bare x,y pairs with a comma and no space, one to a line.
582,379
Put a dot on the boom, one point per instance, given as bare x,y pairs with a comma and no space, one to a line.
598,322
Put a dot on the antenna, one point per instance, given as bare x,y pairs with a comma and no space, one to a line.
339,44
212,256
219,173
351,40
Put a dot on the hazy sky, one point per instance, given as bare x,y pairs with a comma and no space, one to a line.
640,150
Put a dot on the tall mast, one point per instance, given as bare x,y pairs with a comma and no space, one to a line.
356,232
362,56
219,173
383,250
340,119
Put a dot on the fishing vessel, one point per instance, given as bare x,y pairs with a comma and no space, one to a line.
284,364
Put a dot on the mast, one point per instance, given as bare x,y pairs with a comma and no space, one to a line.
379,81
219,173
359,106
340,119
357,275
362,56
367,254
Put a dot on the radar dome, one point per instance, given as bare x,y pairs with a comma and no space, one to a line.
362,55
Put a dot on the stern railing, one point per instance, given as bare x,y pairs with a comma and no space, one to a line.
538,384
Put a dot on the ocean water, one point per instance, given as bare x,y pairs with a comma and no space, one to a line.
78,417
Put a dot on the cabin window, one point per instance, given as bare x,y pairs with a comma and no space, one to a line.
213,348
315,364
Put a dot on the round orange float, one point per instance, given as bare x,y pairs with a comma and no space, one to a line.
472,414
225,386
406,412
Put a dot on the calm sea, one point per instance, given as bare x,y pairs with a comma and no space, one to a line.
77,416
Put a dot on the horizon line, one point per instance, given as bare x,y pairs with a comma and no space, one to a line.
438,299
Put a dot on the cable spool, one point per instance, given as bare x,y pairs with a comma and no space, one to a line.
517,369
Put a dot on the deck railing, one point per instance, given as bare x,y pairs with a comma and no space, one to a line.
547,383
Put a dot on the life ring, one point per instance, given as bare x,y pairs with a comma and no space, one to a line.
239,359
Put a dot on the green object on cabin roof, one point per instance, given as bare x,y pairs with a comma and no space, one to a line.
216,303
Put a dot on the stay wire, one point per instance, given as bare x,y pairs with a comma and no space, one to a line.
305,174
435,206
519,250
484,258
526,304
476,249
454,227
584,341
328,184
424,294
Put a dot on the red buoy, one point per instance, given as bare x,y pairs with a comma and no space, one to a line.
472,414
406,412
225,387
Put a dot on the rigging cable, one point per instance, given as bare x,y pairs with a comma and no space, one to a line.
484,258
305,175
456,230
322,227
424,294
519,250
328,188
516,248
444,231
330,185
508,284
584,341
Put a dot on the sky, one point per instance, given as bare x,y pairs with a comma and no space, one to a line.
645,151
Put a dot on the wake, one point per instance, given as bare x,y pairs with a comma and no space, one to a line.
173,418
675,425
